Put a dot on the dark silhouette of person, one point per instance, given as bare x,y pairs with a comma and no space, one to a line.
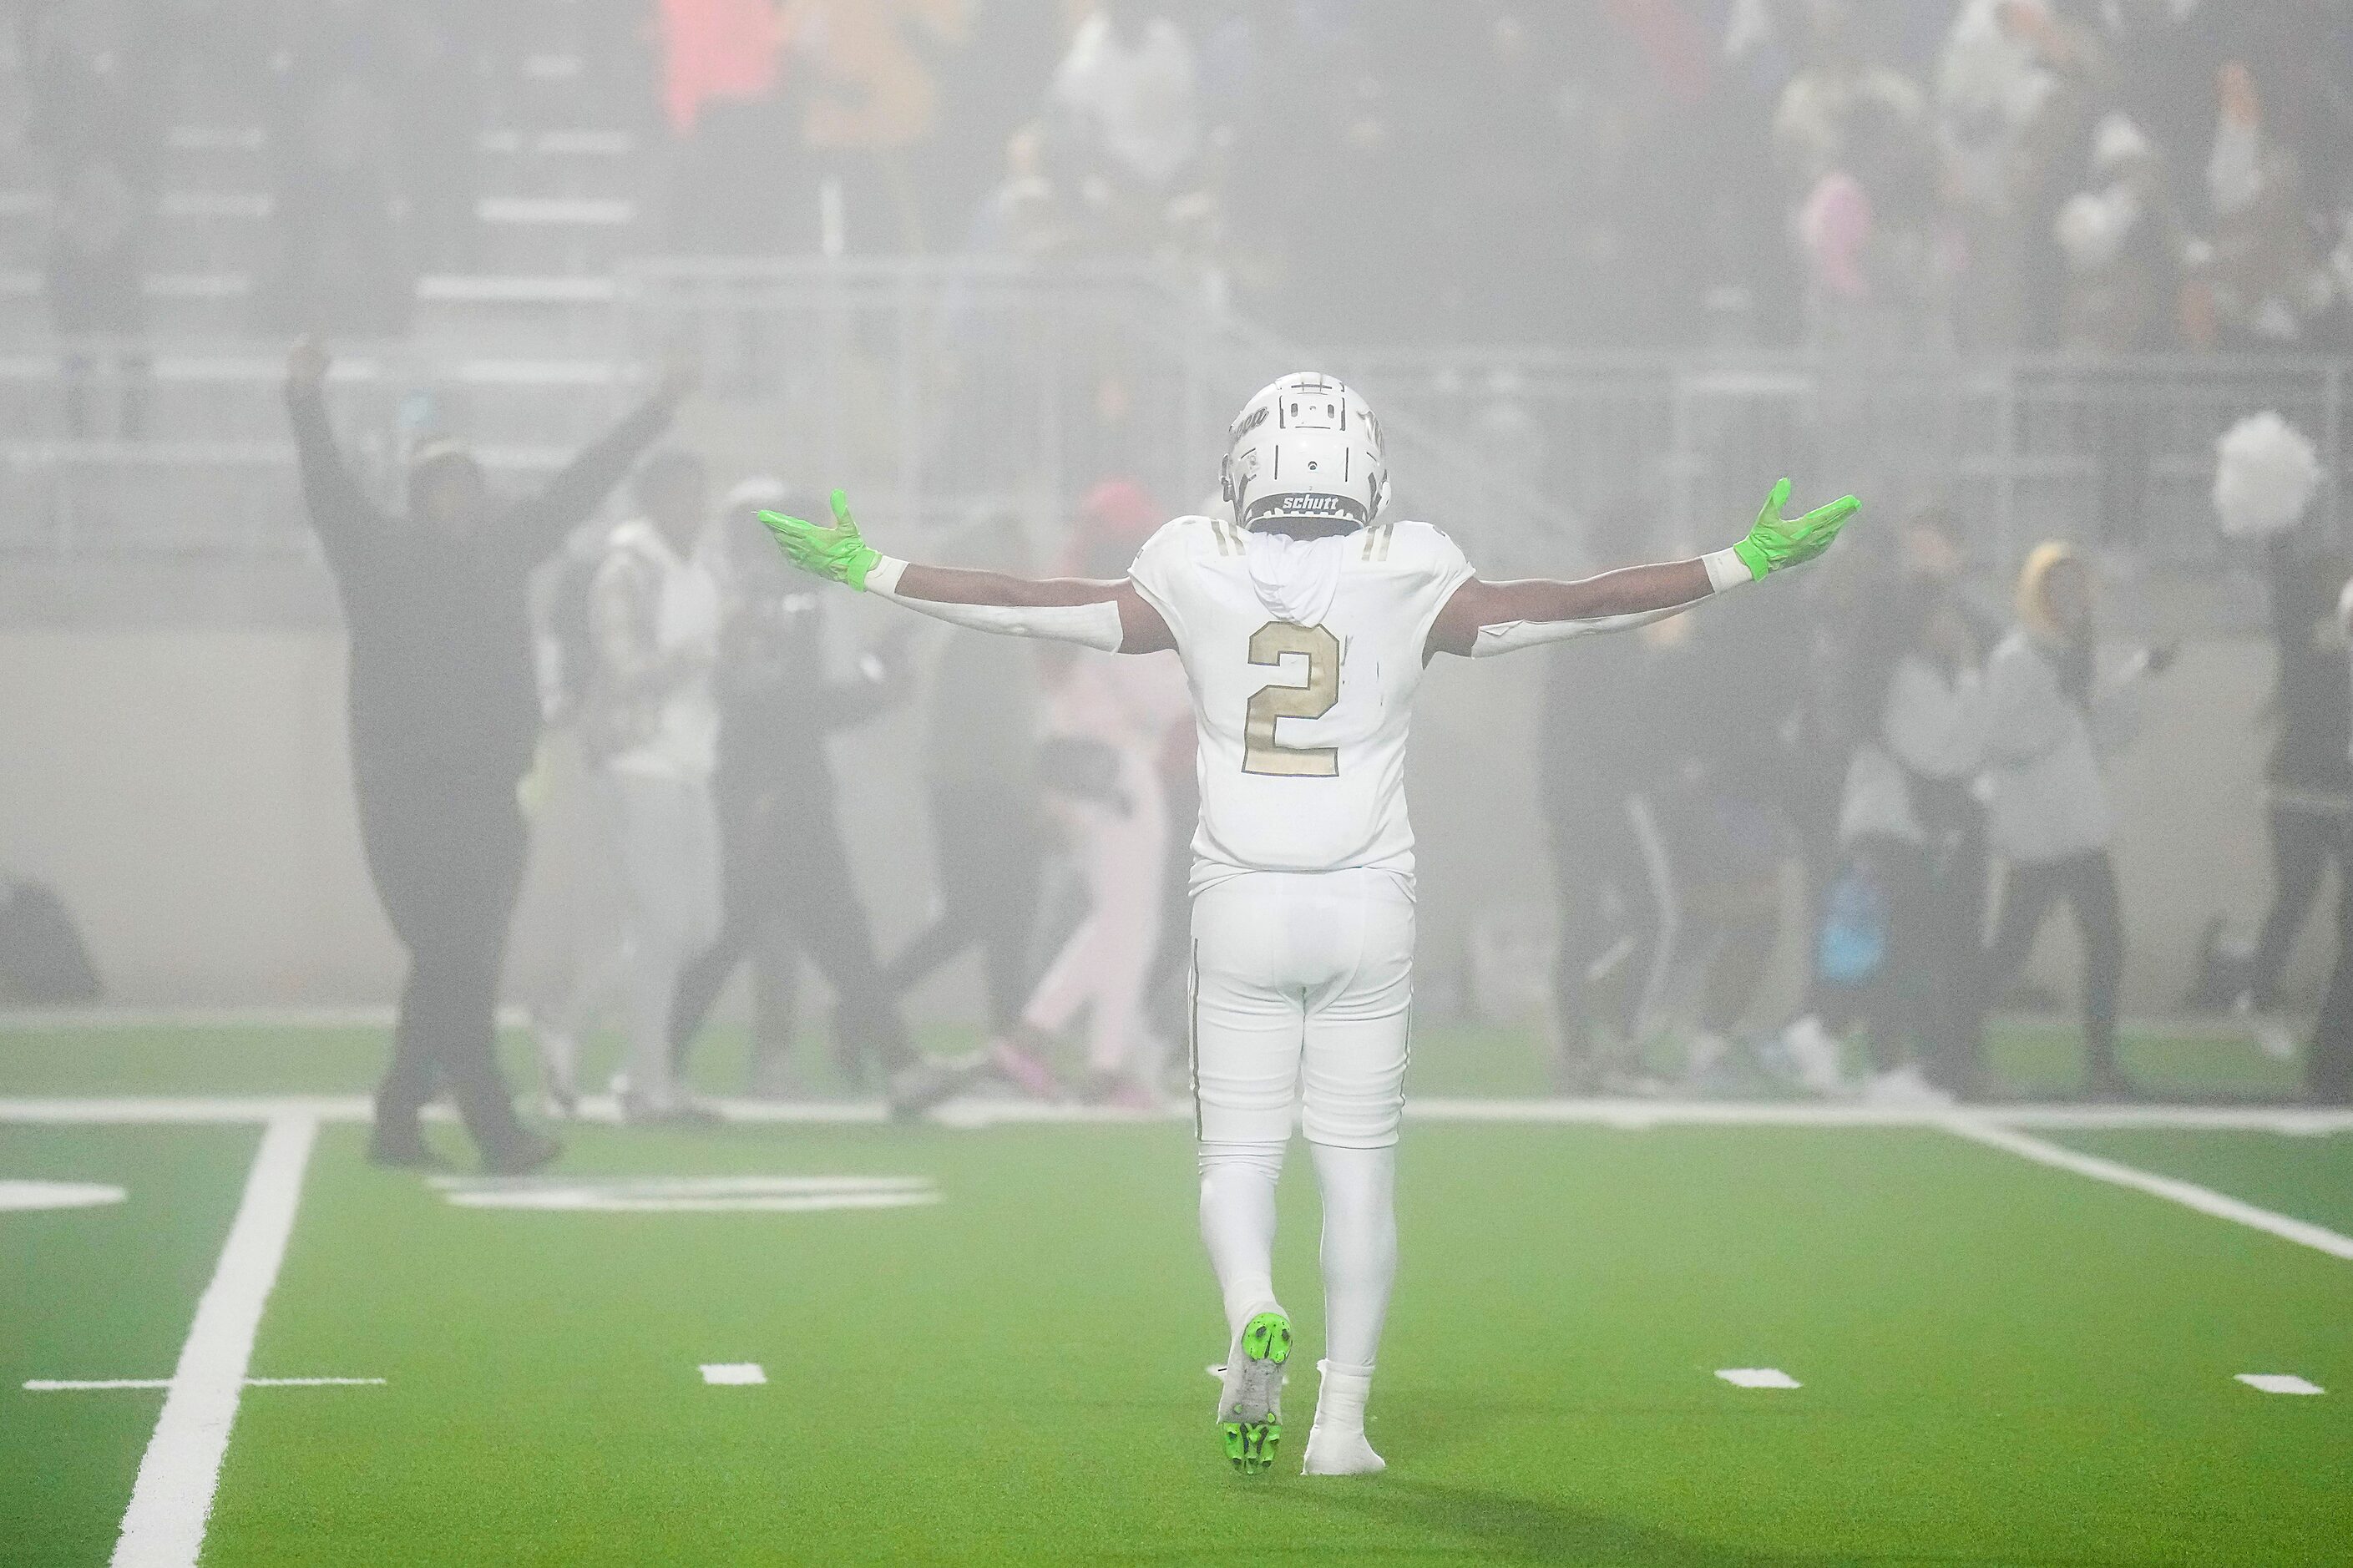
444,720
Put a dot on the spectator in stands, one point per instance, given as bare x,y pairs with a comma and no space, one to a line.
2017,89
980,777
2124,246
1126,97
344,261
654,724
735,148
96,275
439,117
444,721
96,81
2051,710
871,99
2267,280
789,869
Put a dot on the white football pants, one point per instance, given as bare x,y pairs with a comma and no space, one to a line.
1303,984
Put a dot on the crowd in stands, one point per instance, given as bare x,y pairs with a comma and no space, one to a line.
1907,175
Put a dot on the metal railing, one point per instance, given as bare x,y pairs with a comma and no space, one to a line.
1669,450
934,389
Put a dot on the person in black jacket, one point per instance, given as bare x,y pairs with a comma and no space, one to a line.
785,866
444,720
2309,780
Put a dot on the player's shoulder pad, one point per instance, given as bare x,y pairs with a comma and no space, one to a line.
1410,545
1189,537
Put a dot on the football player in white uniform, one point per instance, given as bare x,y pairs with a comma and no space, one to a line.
1303,623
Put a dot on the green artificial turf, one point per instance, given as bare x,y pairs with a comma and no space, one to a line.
2026,1060
2306,1178
2001,1363
98,1293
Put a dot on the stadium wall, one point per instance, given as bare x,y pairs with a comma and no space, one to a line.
187,793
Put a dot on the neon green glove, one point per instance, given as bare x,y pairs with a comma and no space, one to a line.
1777,543
839,553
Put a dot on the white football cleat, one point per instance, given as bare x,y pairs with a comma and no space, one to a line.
1337,1445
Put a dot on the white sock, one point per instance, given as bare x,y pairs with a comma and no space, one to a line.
1359,1187
1337,1445
1238,1225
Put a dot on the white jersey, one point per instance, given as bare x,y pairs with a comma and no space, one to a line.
1302,728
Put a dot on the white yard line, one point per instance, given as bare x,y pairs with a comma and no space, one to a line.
2189,1194
93,1384
165,1525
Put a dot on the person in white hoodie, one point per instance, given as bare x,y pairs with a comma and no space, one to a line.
1899,950
653,730
2051,709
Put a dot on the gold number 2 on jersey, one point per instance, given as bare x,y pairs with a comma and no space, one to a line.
1261,753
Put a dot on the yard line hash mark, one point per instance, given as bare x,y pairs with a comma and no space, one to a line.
1758,1377
165,1525
734,1374
2278,1382
2189,1194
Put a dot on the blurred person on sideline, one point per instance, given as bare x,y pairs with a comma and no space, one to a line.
1594,730
1712,802
2051,709
444,721
653,729
788,878
2265,476
1892,952
588,975
2329,1067
1106,728
980,779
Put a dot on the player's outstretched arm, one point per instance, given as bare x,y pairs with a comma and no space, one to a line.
1110,616
1485,618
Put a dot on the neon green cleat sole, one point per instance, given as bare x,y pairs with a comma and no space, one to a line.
1250,1410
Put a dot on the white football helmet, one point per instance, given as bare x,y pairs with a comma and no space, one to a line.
1306,446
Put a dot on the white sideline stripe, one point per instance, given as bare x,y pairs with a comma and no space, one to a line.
1758,1377
683,1186
1630,1115
366,1016
165,1525
85,1384
735,1373
2189,1194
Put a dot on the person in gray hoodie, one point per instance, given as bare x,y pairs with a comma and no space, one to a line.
2052,708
